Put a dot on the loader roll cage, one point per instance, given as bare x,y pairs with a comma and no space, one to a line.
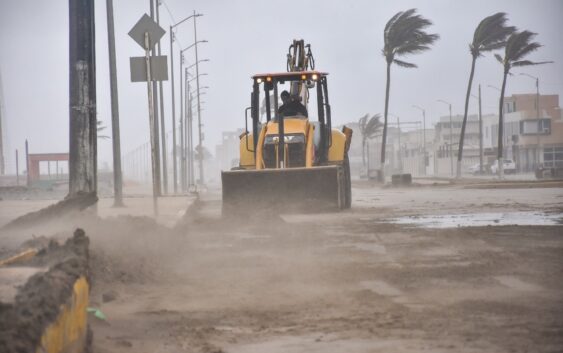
306,80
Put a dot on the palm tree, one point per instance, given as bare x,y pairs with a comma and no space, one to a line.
403,35
490,34
518,45
369,127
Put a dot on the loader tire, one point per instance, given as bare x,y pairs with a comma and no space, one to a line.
347,183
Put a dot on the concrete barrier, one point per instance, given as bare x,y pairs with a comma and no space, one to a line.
43,300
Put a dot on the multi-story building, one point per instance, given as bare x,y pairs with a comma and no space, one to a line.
533,135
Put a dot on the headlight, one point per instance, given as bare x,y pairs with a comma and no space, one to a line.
273,139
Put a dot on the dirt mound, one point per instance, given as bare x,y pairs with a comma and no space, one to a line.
38,303
69,204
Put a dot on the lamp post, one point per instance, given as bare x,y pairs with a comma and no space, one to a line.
451,137
499,142
539,148
183,122
116,142
196,77
199,61
423,135
174,152
398,141
200,155
480,133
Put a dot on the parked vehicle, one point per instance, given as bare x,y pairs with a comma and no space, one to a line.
508,166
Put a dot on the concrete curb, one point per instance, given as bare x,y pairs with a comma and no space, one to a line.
48,313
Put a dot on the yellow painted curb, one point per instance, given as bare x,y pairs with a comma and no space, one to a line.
68,333
22,256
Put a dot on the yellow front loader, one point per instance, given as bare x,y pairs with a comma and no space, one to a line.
290,163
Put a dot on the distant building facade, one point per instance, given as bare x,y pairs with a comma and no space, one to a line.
533,135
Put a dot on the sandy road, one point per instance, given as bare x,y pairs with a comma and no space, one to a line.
347,282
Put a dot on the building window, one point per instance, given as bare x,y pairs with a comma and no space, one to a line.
509,107
553,157
535,126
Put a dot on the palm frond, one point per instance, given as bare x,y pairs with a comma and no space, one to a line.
526,50
519,45
405,34
405,64
490,34
493,46
528,63
516,42
499,58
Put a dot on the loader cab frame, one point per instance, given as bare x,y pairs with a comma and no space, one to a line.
305,80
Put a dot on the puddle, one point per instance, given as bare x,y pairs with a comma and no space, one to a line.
483,219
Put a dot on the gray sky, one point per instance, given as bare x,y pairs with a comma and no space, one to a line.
247,37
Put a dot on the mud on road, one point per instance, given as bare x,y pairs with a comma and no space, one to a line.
345,282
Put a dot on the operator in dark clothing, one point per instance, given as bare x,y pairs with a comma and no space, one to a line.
291,106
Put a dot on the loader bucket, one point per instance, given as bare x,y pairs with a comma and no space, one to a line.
282,190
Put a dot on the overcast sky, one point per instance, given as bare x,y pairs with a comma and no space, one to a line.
247,37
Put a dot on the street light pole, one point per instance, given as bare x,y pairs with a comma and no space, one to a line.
451,137
182,121
162,125
423,135
187,148
480,135
157,175
539,148
200,154
183,112
174,148
116,143
191,175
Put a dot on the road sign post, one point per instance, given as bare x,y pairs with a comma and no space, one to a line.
151,124
147,33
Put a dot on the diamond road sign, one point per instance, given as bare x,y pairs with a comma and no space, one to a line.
146,25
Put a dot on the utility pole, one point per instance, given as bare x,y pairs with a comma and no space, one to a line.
182,122
480,135
200,146
155,122
451,143
162,125
82,102
28,181
2,162
423,135
17,169
191,176
399,141
153,133
174,154
116,140
539,149
187,137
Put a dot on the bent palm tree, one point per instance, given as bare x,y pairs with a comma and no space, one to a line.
518,45
403,35
490,34
369,127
